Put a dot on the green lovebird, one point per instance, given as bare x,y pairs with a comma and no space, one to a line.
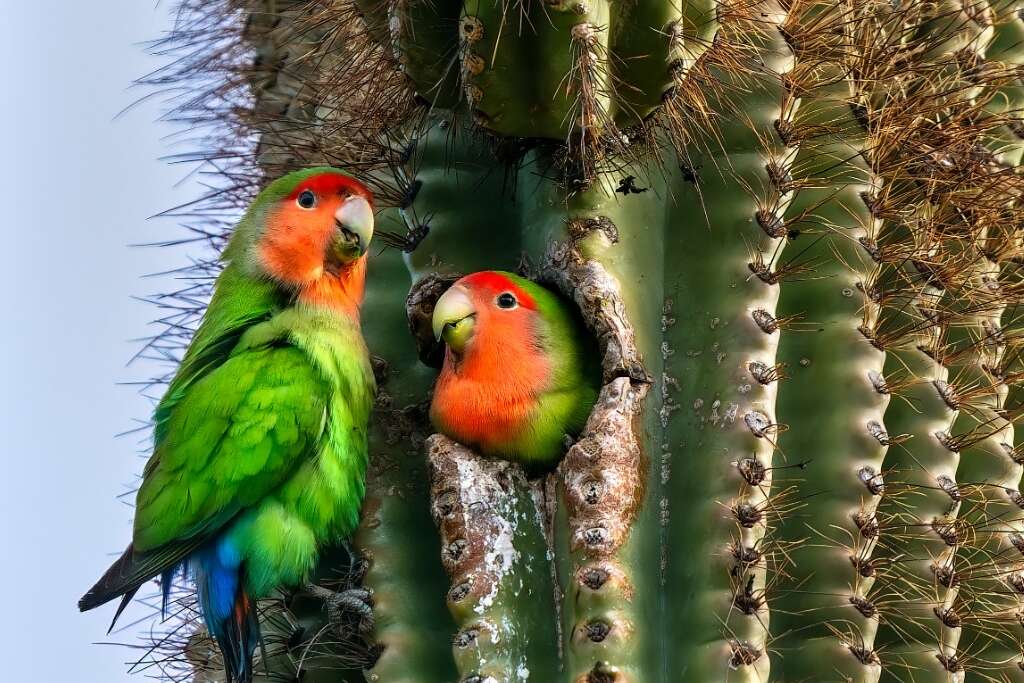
259,448
520,372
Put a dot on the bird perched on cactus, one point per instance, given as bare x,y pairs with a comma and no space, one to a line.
260,450
520,372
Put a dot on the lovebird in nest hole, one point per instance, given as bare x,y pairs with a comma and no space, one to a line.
520,373
260,443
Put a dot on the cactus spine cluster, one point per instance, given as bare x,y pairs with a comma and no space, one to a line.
795,228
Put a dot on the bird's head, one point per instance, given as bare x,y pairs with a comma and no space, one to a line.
494,302
306,230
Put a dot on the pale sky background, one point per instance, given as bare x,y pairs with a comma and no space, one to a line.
77,187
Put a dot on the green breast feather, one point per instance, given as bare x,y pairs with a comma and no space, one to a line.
280,426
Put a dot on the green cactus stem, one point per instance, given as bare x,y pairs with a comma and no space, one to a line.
504,612
398,536
991,477
602,477
1007,50
844,438
726,232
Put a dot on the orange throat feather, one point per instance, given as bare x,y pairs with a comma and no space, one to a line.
340,291
503,367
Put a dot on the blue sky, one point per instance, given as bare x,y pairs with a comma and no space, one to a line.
77,187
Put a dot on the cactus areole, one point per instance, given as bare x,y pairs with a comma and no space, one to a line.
792,227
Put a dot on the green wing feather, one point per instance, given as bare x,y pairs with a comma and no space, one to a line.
238,304
226,440
230,439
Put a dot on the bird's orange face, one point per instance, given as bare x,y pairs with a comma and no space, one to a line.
494,366
487,302
321,228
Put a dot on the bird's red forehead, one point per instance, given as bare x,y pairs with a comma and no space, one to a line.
491,283
326,184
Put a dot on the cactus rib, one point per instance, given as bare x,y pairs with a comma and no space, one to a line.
845,437
476,506
721,375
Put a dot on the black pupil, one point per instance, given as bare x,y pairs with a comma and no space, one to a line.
307,199
506,300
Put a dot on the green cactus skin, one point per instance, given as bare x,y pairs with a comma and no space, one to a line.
429,49
630,32
724,188
951,514
520,86
504,623
925,568
720,370
504,612
397,538
991,461
406,573
993,479
604,250
558,62
844,446
1007,46
946,529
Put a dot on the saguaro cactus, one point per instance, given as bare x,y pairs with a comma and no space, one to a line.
794,226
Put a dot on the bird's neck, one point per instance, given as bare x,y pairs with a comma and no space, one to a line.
338,292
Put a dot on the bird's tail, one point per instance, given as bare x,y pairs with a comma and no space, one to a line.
230,615
127,575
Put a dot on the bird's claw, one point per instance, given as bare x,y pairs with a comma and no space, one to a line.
360,567
354,601
358,601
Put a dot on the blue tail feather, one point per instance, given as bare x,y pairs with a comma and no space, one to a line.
166,584
229,613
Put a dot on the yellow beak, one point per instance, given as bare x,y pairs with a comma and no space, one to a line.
454,318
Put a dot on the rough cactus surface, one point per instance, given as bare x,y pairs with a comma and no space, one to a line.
794,227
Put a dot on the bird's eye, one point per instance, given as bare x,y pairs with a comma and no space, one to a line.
306,199
506,300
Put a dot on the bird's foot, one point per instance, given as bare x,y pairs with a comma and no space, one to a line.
342,605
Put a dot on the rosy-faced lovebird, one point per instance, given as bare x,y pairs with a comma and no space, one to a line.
520,373
259,445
